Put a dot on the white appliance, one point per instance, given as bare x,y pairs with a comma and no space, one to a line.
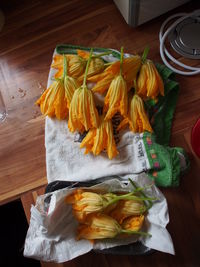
137,12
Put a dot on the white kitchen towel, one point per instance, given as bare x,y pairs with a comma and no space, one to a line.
52,231
66,161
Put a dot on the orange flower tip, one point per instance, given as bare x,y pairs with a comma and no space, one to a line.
86,151
37,103
113,156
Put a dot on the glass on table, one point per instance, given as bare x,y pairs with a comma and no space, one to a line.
3,112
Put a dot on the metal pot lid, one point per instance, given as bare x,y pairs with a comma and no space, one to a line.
185,38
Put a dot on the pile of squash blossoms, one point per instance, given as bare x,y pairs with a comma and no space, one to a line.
109,215
125,84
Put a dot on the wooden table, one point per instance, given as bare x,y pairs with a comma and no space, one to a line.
31,32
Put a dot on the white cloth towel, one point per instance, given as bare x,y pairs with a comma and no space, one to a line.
66,161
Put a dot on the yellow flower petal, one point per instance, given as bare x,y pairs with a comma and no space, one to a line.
99,226
83,54
159,81
70,85
138,119
58,61
76,65
123,124
142,81
85,203
53,102
103,84
127,208
83,114
130,68
111,146
96,66
59,73
149,82
98,77
133,223
116,98
99,139
60,105
152,85
113,69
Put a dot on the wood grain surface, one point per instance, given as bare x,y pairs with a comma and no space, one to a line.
27,41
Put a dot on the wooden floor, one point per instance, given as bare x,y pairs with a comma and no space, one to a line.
31,32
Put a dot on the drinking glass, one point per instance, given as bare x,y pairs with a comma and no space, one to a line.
3,112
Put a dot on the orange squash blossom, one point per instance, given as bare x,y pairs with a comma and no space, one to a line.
149,82
83,114
55,100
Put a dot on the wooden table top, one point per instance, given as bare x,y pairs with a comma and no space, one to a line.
27,41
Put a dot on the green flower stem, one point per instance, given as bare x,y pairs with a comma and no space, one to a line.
128,196
121,59
135,86
145,53
87,67
108,64
131,196
135,232
64,66
139,198
102,54
142,193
